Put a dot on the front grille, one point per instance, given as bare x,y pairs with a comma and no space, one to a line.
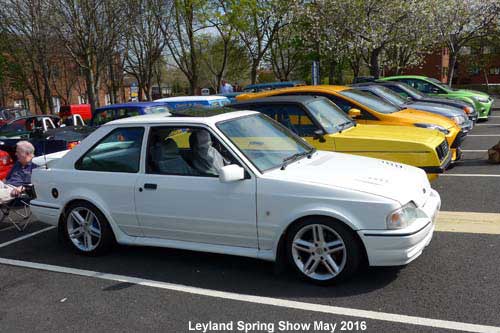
442,150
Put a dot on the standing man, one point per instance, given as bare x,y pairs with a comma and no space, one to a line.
225,87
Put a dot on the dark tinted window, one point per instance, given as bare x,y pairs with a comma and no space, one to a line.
291,116
424,86
104,116
119,151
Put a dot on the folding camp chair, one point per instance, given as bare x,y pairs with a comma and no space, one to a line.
17,210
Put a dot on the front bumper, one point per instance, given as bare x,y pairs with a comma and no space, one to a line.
467,126
484,109
456,146
399,247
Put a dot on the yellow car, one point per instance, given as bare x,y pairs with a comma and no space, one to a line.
326,127
368,109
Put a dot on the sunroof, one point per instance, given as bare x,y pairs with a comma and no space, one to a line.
201,112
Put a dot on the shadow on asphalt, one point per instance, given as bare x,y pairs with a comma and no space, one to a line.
196,269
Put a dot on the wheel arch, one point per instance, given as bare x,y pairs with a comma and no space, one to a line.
280,249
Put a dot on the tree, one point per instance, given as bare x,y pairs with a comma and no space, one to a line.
90,31
259,22
181,38
459,22
285,53
144,41
29,43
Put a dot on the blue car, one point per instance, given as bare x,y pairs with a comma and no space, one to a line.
108,113
272,85
182,102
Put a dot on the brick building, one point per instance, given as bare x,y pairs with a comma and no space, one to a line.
474,66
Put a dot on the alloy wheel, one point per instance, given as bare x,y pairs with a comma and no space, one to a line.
319,252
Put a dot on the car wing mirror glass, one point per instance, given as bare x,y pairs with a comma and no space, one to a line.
354,113
231,173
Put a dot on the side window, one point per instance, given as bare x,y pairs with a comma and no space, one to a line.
103,117
125,113
343,104
185,151
424,86
119,151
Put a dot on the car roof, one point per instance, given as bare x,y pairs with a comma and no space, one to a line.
309,89
302,99
195,115
407,77
191,98
130,105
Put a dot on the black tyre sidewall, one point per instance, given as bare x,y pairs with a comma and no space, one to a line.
107,236
354,251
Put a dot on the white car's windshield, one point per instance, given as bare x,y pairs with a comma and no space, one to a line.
373,102
265,142
329,116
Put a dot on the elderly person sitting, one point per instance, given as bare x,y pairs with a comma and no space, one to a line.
20,174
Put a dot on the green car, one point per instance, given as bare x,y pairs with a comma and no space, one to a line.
481,101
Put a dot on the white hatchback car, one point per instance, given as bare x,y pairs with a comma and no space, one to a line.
235,183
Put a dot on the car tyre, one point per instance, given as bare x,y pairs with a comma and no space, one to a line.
323,251
86,230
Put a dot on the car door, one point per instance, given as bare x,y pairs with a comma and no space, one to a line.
109,171
176,201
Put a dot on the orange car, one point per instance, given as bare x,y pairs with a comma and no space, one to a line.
369,109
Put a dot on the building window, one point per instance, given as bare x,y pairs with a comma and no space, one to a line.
466,50
495,71
107,99
82,99
22,103
56,101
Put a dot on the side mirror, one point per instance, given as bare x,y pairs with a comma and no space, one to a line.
354,113
231,173
318,135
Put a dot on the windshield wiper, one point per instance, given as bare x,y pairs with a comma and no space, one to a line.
295,157
343,125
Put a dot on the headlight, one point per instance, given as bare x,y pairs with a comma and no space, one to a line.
434,126
481,99
468,109
459,120
404,216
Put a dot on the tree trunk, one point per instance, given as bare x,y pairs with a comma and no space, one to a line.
253,71
374,63
451,69
90,82
486,80
331,71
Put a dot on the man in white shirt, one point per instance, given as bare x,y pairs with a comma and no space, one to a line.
225,87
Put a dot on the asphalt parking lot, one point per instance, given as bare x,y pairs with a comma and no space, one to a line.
454,285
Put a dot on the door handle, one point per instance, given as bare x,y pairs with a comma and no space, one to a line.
149,186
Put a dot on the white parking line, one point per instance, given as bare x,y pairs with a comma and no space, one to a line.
486,125
468,175
335,310
474,151
26,236
483,135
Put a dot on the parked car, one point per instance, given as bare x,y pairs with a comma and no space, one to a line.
370,110
182,102
272,85
84,110
413,94
44,132
455,114
152,181
8,114
326,127
482,101
111,112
